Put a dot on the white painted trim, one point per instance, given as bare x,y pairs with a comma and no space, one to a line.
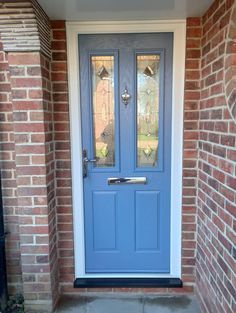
178,27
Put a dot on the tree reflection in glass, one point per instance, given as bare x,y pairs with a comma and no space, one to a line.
147,109
103,104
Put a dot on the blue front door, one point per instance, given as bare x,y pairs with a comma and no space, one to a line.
126,85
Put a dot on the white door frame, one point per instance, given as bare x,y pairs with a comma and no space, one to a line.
178,27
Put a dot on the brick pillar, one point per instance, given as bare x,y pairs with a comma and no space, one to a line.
34,155
29,61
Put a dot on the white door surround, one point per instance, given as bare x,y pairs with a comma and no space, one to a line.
178,28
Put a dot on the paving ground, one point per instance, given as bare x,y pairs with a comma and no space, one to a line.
117,303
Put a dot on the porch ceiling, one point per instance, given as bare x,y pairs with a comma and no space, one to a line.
123,9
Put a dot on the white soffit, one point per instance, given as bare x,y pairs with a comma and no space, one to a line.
81,10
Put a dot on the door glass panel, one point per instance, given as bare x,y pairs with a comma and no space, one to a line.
147,109
103,105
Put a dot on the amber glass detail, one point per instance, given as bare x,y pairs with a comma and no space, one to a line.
103,105
147,109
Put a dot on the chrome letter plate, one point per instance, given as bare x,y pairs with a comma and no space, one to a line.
127,180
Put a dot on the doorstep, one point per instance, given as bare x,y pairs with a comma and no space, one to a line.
127,303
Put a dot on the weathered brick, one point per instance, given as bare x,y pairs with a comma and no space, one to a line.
194,32
34,71
24,58
26,82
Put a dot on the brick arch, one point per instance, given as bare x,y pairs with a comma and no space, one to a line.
230,64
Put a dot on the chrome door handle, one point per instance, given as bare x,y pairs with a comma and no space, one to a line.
90,160
86,160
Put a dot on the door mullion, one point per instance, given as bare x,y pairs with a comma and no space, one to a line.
126,111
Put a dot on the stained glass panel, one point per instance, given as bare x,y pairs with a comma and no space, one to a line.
147,109
103,110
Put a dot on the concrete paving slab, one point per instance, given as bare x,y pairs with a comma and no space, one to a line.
128,303
177,304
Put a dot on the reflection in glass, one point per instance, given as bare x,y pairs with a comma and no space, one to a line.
147,109
103,110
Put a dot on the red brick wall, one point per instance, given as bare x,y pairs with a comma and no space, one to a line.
216,239
230,64
34,157
62,155
8,173
50,160
28,176
191,116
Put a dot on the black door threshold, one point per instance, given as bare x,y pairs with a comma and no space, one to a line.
128,282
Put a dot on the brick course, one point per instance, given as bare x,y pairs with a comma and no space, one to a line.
28,27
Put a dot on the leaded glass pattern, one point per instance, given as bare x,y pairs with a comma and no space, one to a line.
147,109
103,105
